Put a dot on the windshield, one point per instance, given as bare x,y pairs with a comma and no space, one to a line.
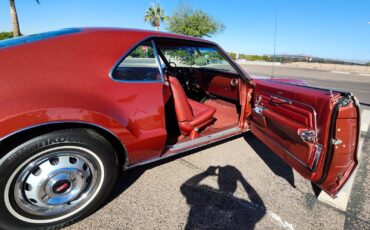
196,57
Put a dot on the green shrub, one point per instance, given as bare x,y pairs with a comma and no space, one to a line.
201,61
232,55
5,35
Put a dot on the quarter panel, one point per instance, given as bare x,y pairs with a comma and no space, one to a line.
67,79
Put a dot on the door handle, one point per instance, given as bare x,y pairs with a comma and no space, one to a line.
307,135
278,100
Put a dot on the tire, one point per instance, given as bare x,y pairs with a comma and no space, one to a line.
56,179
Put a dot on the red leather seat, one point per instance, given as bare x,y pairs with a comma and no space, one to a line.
191,115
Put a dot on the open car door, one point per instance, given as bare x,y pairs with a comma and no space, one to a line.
314,130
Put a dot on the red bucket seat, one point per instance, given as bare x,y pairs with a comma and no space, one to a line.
191,115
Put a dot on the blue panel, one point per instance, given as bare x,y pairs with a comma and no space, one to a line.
36,37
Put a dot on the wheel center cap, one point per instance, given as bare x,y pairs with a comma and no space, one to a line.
61,186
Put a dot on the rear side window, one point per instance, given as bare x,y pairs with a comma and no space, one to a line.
141,64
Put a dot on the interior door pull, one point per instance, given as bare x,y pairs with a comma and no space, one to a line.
307,135
278,100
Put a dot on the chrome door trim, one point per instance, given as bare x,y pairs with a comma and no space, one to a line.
285,150
215,139
292,101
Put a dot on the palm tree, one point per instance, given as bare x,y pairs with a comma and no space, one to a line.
14,16
155,15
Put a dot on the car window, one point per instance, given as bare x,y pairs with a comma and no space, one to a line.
141,64
196,57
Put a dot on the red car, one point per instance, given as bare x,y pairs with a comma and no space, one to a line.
79,105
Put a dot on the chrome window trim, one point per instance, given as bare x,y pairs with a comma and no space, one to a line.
158,60
242,73
116,64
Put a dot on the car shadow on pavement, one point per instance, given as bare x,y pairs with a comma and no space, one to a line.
123,182
212,208
277,165
128,178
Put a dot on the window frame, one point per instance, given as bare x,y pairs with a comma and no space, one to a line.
127,53
235,70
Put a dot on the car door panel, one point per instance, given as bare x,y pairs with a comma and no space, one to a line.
296,122
341,159
218,84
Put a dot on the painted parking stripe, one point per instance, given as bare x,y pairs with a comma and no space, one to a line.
365,119
341,201
364,74
340,72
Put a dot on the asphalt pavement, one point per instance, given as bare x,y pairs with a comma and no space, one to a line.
358,84
236,184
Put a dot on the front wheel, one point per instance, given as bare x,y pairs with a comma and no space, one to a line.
56,179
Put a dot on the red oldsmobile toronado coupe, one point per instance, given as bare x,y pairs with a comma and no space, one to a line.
81,104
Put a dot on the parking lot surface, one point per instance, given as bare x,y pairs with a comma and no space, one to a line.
236,184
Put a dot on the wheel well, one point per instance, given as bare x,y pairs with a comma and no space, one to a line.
14,140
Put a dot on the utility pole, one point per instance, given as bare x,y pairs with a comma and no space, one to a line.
273,58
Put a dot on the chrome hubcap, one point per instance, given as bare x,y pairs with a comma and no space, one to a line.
56,183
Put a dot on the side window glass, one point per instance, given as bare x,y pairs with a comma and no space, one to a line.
141,64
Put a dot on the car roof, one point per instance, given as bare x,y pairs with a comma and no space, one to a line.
150,33
96,30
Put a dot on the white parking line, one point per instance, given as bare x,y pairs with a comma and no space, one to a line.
365,119
340,72
341,201
364,74
280,221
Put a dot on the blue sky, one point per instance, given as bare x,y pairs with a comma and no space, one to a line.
324,28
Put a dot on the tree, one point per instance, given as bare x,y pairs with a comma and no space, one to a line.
14,16
5,35
155,15
191,22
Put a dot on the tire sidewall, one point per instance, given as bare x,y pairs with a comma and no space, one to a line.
101,150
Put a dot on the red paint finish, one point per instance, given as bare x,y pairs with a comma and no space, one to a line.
67,79
280,123
344,159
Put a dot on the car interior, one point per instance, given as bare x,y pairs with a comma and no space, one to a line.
206,98
201,87
202,97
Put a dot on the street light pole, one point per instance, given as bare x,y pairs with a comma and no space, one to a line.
273,58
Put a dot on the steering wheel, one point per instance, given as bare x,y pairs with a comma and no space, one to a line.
171,65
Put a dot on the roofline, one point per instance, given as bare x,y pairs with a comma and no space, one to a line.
153,33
